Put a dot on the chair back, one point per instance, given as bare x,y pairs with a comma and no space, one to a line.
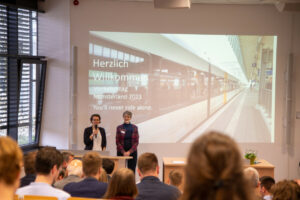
80,198
35,197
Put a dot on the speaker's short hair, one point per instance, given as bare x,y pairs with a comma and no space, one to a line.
127,113
95,115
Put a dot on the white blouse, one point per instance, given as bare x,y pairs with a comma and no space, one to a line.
97,142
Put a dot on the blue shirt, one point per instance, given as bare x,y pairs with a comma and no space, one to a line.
151,188
88,187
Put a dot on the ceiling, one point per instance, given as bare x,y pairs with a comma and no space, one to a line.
281,5
234,1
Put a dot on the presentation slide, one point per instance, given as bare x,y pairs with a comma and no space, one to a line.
179,86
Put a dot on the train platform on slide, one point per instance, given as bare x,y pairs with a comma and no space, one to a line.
241,117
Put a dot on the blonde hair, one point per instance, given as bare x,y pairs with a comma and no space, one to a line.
75,168
103,176
251,174
122,183
91,162
11,158
147,162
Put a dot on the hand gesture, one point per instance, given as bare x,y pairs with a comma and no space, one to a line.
95,131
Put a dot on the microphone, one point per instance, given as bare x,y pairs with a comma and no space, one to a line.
96,128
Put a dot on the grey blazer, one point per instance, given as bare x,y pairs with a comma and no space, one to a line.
70,179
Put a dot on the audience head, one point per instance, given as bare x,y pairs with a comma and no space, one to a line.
11,158
122,183
175,178
29,162
252,176
61,175
285,190
91,164
214,170
266,182
103,176
68,157
148,165
108,165
48,162
75,168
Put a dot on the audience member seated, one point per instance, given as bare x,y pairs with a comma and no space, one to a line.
68,157
122,185
214,170
103,176
47,165
252,176
61,175
108,165
90,186
266,182
150,187
285,190
74,170
10,167
29,167
175,178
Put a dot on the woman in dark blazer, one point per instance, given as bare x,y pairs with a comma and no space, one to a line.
127,140
95,136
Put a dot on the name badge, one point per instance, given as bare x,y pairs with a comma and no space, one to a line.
123,131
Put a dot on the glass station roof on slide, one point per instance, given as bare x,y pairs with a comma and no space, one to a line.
218,50
222,51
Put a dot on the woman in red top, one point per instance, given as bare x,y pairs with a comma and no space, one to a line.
127,140
122,185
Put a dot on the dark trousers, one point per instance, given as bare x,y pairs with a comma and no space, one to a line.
131,163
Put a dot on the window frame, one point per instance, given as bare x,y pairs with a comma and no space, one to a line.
15,58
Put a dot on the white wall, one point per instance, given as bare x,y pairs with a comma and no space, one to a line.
294,147
57,36
54,43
